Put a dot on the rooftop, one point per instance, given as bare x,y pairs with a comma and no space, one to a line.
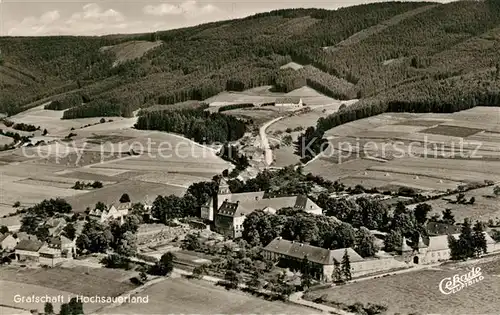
248,202
288,100
314,254
29,245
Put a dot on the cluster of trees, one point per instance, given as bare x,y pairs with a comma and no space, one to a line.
65,102
231,154
83,185
14,135
470,243
235,106
105,107
289,79
196,124
34,216
201,61
25,127
166,208
73,307
98,238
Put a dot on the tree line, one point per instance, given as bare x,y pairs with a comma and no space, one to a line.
196,124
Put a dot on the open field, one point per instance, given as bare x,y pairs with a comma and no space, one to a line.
51,120
10,292
204,298
5,140
418,291
261,95
130,50
485,207
166,164
428,152
65,281
138,191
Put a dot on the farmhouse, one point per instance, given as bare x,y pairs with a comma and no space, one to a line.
112,213
55,225
28,250
57,249
289,102
291,254
437,249
7,242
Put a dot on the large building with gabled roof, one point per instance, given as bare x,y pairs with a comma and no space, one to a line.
228,211
322,260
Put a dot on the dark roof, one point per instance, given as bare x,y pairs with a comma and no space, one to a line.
25,236
288,100
314,254
230,209
241,204
29,245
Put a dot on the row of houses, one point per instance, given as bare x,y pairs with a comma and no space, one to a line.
25,247
113,212
55,250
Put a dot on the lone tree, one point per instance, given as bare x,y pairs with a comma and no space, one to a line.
100,206
421,211
124,198
232,279
164,266
496,190
448,216
48,308
337,272
306,268
199,271
346,266
479,240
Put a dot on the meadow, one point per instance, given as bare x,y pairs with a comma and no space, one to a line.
204,298
61,281
163,164
484,208
418,292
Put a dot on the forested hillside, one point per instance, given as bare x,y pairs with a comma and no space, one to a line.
416,56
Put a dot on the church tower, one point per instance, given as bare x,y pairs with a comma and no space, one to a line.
223,187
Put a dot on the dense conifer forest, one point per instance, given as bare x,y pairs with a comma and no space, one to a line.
404,56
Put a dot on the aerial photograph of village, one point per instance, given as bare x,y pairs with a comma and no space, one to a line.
218,157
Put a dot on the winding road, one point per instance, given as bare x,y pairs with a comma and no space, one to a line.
268,153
